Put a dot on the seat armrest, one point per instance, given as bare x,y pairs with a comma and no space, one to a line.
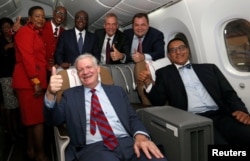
61,140
185,136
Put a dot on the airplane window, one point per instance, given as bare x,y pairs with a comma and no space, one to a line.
237,39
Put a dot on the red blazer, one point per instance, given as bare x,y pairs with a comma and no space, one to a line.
50,40
30,58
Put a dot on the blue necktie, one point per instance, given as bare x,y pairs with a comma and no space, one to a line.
80,43
188,66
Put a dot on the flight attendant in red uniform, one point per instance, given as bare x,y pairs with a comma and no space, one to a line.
29,80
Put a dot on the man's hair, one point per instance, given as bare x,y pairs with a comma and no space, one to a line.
87,17
140,15
60,7
84,56
177,39
111,14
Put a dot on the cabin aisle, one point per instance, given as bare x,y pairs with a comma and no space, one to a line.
15,151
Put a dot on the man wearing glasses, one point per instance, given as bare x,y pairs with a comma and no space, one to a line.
74,42
201,89
52,30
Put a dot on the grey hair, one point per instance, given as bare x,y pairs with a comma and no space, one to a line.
86,55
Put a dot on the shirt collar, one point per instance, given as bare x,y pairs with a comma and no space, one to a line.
53,25
178,65
77,31
97,88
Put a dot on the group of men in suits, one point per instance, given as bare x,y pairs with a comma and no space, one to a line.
109,45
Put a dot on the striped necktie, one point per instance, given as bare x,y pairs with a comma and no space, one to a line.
98,118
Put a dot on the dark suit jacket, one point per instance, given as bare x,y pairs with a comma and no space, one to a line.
153,42
71,111
67,49
169,87
119,40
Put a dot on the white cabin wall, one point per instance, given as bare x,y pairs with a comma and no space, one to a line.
203,23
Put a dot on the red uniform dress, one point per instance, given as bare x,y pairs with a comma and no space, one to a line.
30,63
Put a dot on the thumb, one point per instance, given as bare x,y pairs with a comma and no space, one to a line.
135,50
53,70
113,46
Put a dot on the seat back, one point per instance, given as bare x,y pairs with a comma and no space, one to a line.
71,79
139,67
123,75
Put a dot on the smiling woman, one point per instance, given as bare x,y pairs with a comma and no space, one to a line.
29,80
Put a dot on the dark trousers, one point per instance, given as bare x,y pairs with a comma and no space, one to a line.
124,152
228,130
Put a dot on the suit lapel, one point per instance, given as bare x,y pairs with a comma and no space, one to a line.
81,110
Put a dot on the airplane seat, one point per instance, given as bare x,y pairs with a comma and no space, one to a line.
182,135
71,79
123,75
139,67
182,129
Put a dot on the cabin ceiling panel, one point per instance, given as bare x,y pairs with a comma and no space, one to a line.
97,9
9,7
2,2
125,10
108,3
47,2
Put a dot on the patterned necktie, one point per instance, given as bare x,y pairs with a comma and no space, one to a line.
139,48
80,43
108,52
188,66
98,118
55,33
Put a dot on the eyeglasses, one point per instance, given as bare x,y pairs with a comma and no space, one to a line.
83,18
60,13
179,48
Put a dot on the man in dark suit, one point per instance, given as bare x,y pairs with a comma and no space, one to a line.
151,39
76,107
200,89
112,36
69,47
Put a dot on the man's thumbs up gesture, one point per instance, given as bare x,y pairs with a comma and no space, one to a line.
55,84
116,54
